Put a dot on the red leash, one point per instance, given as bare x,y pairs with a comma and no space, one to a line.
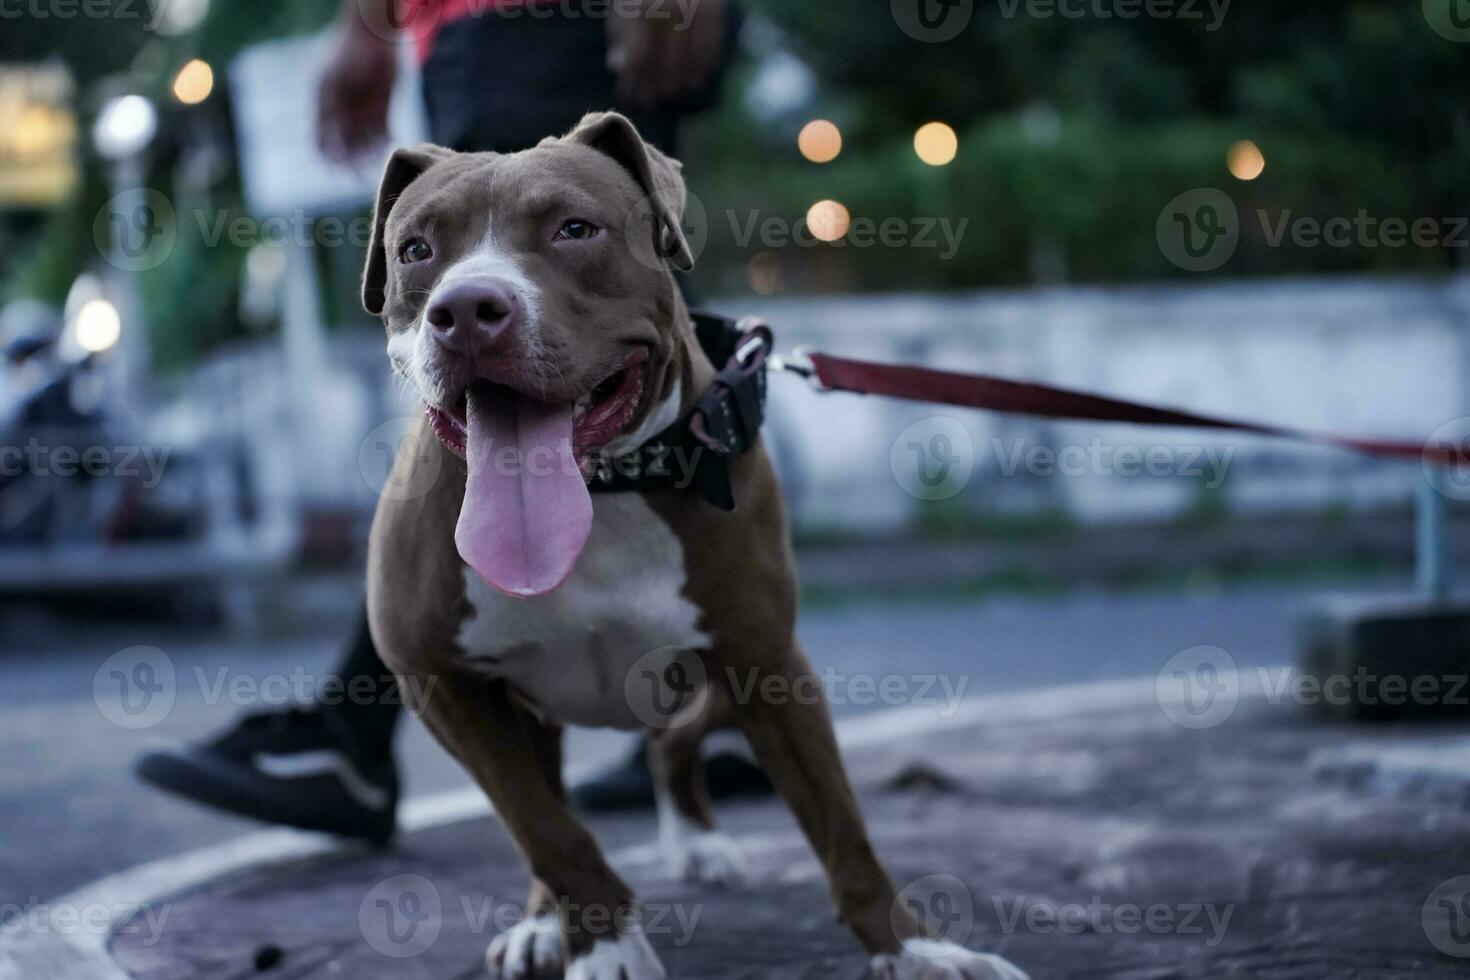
1001,395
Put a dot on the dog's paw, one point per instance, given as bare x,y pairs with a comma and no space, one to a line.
927,959
706,857
530,948
629,957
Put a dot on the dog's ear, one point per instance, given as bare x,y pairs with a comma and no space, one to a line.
404,167
611,133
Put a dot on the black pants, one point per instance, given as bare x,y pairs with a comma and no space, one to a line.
499,84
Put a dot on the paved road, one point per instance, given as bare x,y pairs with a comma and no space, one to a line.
71,812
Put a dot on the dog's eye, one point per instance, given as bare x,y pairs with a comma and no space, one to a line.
576,230
414,250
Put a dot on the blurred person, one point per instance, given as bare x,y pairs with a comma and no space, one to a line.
498,75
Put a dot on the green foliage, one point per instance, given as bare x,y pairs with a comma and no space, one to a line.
1074,134
1358,107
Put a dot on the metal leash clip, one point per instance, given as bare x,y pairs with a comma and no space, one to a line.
798,362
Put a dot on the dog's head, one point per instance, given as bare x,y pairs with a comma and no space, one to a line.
529,299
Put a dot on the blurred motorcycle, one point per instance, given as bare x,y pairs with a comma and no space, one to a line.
66,475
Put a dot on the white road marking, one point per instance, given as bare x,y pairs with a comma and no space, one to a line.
83,956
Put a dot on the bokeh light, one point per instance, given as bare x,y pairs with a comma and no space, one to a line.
194,82
98,325
1245,160
936,144
820,141
763,272
828,220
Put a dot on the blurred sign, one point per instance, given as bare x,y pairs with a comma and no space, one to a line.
38,135
274,88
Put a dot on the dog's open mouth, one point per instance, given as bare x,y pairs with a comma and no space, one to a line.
527,510
598,417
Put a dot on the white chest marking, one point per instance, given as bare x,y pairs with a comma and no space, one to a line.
570,652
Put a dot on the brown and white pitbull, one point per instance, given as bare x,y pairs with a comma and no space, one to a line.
536,314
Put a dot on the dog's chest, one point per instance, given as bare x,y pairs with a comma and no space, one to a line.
570,652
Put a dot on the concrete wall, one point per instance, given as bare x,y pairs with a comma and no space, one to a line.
1368,357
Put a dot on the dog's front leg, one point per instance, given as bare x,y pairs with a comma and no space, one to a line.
790,728
503,747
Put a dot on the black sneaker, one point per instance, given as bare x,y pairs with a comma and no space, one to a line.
287,767
629,785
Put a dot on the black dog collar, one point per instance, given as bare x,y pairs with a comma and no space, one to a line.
694,453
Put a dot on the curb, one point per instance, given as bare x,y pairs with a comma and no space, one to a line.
83,954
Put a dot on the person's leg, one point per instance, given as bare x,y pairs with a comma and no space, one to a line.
325,767
367,719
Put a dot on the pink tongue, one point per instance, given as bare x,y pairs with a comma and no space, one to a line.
526,512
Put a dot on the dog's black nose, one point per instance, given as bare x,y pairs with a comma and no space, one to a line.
472,314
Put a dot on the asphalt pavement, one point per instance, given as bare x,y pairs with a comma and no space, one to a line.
66,779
